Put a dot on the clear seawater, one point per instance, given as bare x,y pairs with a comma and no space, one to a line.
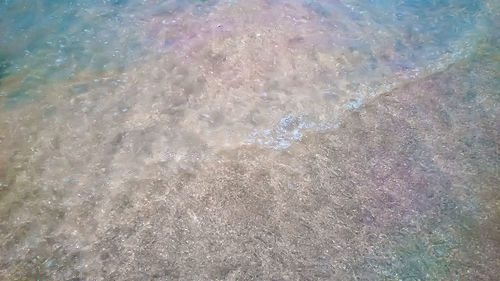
104,103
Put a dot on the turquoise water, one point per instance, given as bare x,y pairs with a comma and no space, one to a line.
46,41
249,140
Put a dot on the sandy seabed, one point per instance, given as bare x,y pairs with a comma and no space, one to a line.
231,155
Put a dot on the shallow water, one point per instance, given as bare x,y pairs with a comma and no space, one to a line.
214,140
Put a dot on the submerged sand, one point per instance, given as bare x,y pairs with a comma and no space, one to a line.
232,156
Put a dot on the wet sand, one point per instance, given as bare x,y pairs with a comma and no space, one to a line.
406,188
209,162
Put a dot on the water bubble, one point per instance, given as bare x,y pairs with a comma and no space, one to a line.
357,103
